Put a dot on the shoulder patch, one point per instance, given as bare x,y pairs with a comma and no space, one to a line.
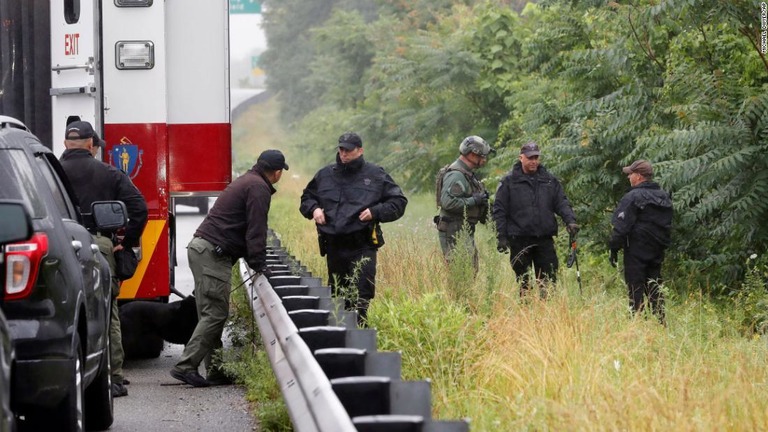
457,189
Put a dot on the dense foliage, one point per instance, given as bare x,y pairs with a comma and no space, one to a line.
597,83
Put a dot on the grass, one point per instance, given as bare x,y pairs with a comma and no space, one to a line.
575,361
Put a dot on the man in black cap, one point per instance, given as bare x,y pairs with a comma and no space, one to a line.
527,200
235,227
348,201
642,225
92,181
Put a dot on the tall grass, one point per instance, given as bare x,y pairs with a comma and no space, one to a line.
574,361
570,362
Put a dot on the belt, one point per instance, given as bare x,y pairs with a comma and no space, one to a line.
217,250
356,238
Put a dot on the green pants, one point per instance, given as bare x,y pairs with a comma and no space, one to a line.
117,355
212,274
448,242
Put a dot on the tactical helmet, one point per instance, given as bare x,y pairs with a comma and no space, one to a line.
476,145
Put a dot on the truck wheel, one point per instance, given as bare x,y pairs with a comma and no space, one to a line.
98,396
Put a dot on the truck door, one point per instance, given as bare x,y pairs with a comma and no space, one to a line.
75,67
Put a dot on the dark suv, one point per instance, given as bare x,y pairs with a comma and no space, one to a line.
56,295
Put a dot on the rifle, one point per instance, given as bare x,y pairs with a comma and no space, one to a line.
574,258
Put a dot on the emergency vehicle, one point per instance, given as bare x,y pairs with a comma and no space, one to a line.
152,76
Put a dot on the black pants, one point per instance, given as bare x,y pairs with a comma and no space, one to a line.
536,251
643,278
352,275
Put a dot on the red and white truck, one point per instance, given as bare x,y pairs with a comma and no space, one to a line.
152,76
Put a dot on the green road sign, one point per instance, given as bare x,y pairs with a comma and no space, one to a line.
244,7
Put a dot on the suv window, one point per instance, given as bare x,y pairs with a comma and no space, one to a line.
57,189
17,180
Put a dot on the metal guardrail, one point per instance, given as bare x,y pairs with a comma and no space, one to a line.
330,373
311,401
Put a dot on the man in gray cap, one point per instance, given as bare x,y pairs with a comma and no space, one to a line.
642,225
527,200
235,227
348,201
461,197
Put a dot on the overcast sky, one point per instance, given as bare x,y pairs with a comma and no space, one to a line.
245,35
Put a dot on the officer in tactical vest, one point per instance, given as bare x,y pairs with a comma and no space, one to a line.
462,199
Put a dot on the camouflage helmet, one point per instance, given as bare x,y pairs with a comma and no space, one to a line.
476,145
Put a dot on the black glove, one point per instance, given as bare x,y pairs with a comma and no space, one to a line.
614,257
481,198
572,229
502,245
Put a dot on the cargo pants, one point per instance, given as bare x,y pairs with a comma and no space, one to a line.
212,273
117,355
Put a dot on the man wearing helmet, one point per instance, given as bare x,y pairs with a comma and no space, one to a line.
462,199
527,200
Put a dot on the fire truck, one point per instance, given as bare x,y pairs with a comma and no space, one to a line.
152,76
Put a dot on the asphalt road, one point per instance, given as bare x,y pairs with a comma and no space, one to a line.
157,402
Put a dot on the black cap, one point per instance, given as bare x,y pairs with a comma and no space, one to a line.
97,141
530,149
350,141
272,160
79,130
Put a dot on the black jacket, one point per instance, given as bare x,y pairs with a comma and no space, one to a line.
642,222
526,205
94,180
237,222
343,191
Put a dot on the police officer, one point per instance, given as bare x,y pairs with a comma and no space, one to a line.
642,225
462,199
92,181
348,200
527,200
235,227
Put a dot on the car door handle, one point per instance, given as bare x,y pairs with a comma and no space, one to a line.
77,245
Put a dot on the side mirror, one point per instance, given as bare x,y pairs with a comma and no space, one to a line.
17,225
109,215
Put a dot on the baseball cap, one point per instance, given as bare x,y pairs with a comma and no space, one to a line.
272,160
641,166
350,140
79,130
530,149
97,141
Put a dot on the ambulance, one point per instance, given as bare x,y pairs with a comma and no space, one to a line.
152,76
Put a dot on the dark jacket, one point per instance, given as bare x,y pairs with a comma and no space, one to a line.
526,205
237,222
94,180
343,191
642,222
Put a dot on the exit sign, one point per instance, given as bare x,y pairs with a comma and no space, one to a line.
244,7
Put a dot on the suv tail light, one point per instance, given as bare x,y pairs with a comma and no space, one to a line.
22,261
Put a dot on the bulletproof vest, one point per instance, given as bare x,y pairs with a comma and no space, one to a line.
473,212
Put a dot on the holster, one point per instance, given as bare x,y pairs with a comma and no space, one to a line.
377,235
441,223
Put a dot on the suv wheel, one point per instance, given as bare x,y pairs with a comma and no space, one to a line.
98,396
68,415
